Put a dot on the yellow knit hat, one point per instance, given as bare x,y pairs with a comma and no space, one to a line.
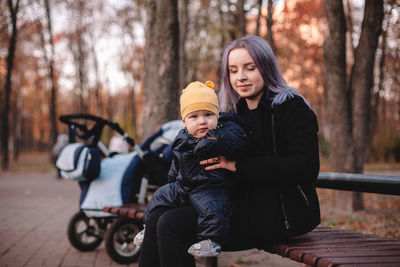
199,96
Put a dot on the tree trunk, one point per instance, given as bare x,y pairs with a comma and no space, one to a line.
161,78
8,85
17,126
98,106
183,28
340,156
361,82
270,22
335,86
350,48
259,17
50,61
241,18
81,70
377,95
349,123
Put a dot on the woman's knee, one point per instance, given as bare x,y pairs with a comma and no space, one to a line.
178,224
153,218
167,227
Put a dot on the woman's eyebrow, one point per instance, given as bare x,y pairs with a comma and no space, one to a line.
245,64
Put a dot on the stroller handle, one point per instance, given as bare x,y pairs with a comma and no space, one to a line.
97,128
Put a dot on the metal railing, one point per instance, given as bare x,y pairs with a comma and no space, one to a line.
368,183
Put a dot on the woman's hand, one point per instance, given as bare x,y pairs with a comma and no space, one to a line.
219,162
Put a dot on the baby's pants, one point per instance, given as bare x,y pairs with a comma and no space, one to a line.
210,201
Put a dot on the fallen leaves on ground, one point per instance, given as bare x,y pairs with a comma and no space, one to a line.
381,216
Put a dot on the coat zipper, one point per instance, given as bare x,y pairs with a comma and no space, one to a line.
273,134
286,221
303,194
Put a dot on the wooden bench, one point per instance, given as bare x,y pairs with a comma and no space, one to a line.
322,247
325,246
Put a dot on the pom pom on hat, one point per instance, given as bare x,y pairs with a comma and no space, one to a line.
199,96
210,84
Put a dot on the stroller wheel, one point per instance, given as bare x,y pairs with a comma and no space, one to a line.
84,233
119,240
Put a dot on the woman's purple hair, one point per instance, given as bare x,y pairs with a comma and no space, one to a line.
265,61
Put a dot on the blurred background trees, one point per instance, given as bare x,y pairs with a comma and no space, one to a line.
128,61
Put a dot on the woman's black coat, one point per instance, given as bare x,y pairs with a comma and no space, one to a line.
275,193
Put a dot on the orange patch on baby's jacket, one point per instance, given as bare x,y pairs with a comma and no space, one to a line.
212,138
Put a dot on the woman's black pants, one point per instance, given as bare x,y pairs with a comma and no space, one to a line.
171,231
169,234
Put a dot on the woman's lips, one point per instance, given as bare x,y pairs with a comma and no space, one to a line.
244,86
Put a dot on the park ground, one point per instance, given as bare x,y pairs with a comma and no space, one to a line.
36,207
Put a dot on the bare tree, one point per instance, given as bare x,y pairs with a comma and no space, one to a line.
17,125
8,86
53,82
183,28
270,22
348,109
378,102
241,18
79,48
97,85
259,2
160,93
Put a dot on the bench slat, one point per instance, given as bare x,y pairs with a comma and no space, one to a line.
299,254
372,265
332,247
311,258
133,211
338,261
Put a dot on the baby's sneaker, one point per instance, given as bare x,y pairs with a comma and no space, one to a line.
205,248
138,240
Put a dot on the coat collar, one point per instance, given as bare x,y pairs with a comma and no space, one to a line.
271,100
265,102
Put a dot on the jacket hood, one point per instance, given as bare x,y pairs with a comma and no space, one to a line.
286,95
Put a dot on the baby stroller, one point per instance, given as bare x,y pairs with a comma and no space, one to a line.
111,179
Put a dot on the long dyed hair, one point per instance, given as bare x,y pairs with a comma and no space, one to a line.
266,63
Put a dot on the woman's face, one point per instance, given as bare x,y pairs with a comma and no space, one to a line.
245,77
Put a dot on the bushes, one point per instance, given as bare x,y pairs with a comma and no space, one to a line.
386,144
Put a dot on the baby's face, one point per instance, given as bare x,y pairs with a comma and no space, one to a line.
199,122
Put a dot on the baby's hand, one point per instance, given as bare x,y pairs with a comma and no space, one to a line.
219,162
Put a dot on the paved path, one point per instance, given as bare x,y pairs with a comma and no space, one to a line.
35,209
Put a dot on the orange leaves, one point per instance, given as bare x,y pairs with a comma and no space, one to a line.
381,216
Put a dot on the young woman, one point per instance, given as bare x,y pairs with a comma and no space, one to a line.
274,195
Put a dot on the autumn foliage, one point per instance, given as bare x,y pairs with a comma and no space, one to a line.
100,61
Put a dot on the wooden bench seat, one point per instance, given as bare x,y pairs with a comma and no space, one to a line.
334,247
133,211
323,246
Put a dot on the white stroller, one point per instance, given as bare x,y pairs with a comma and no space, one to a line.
111,179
